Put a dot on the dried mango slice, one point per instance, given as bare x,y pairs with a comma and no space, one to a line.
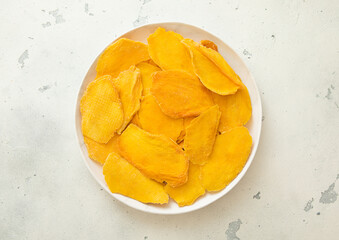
123,178
230,153
235,109
180,94
120,55
209,73
156,156
167,51
129,86
219,61
146,71
209,44
101,110
153,120
99,151
200,135
190,191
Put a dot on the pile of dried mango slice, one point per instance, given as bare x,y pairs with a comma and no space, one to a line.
166,119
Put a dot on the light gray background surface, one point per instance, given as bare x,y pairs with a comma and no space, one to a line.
289,192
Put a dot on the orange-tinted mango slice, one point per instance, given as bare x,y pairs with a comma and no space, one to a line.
153,120
129,86
200,135
101,110
190,191
146,71
230,153
208,72
235,109
123,178
156,156
167,51
180,94
209,44
120,55
99,151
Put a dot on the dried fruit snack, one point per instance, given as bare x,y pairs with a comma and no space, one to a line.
153,120
230,153
121,177
236,109
99,151
167,51
146,71
190,191
129,86
200,135
120,55
101,110
208,72
156,156
209,44
180,94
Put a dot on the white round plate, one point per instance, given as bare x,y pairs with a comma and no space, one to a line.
254,125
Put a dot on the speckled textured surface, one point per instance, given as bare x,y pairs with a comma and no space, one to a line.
289,192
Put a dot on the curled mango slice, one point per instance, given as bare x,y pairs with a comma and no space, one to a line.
208,72
123,178
180,94
230,153
120,55
220,62
235,109
146,71
190,191
209,44
156,156
200,135
153,120
101,110
167,51
129,86
99,151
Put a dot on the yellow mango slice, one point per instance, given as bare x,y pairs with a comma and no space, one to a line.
101,110
190,191
180,94
209,44
208,72
167,51
153,120
99,151
120,55
156,156
235,109
230,153
200,135
219,61
146,71
129,86
123,178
